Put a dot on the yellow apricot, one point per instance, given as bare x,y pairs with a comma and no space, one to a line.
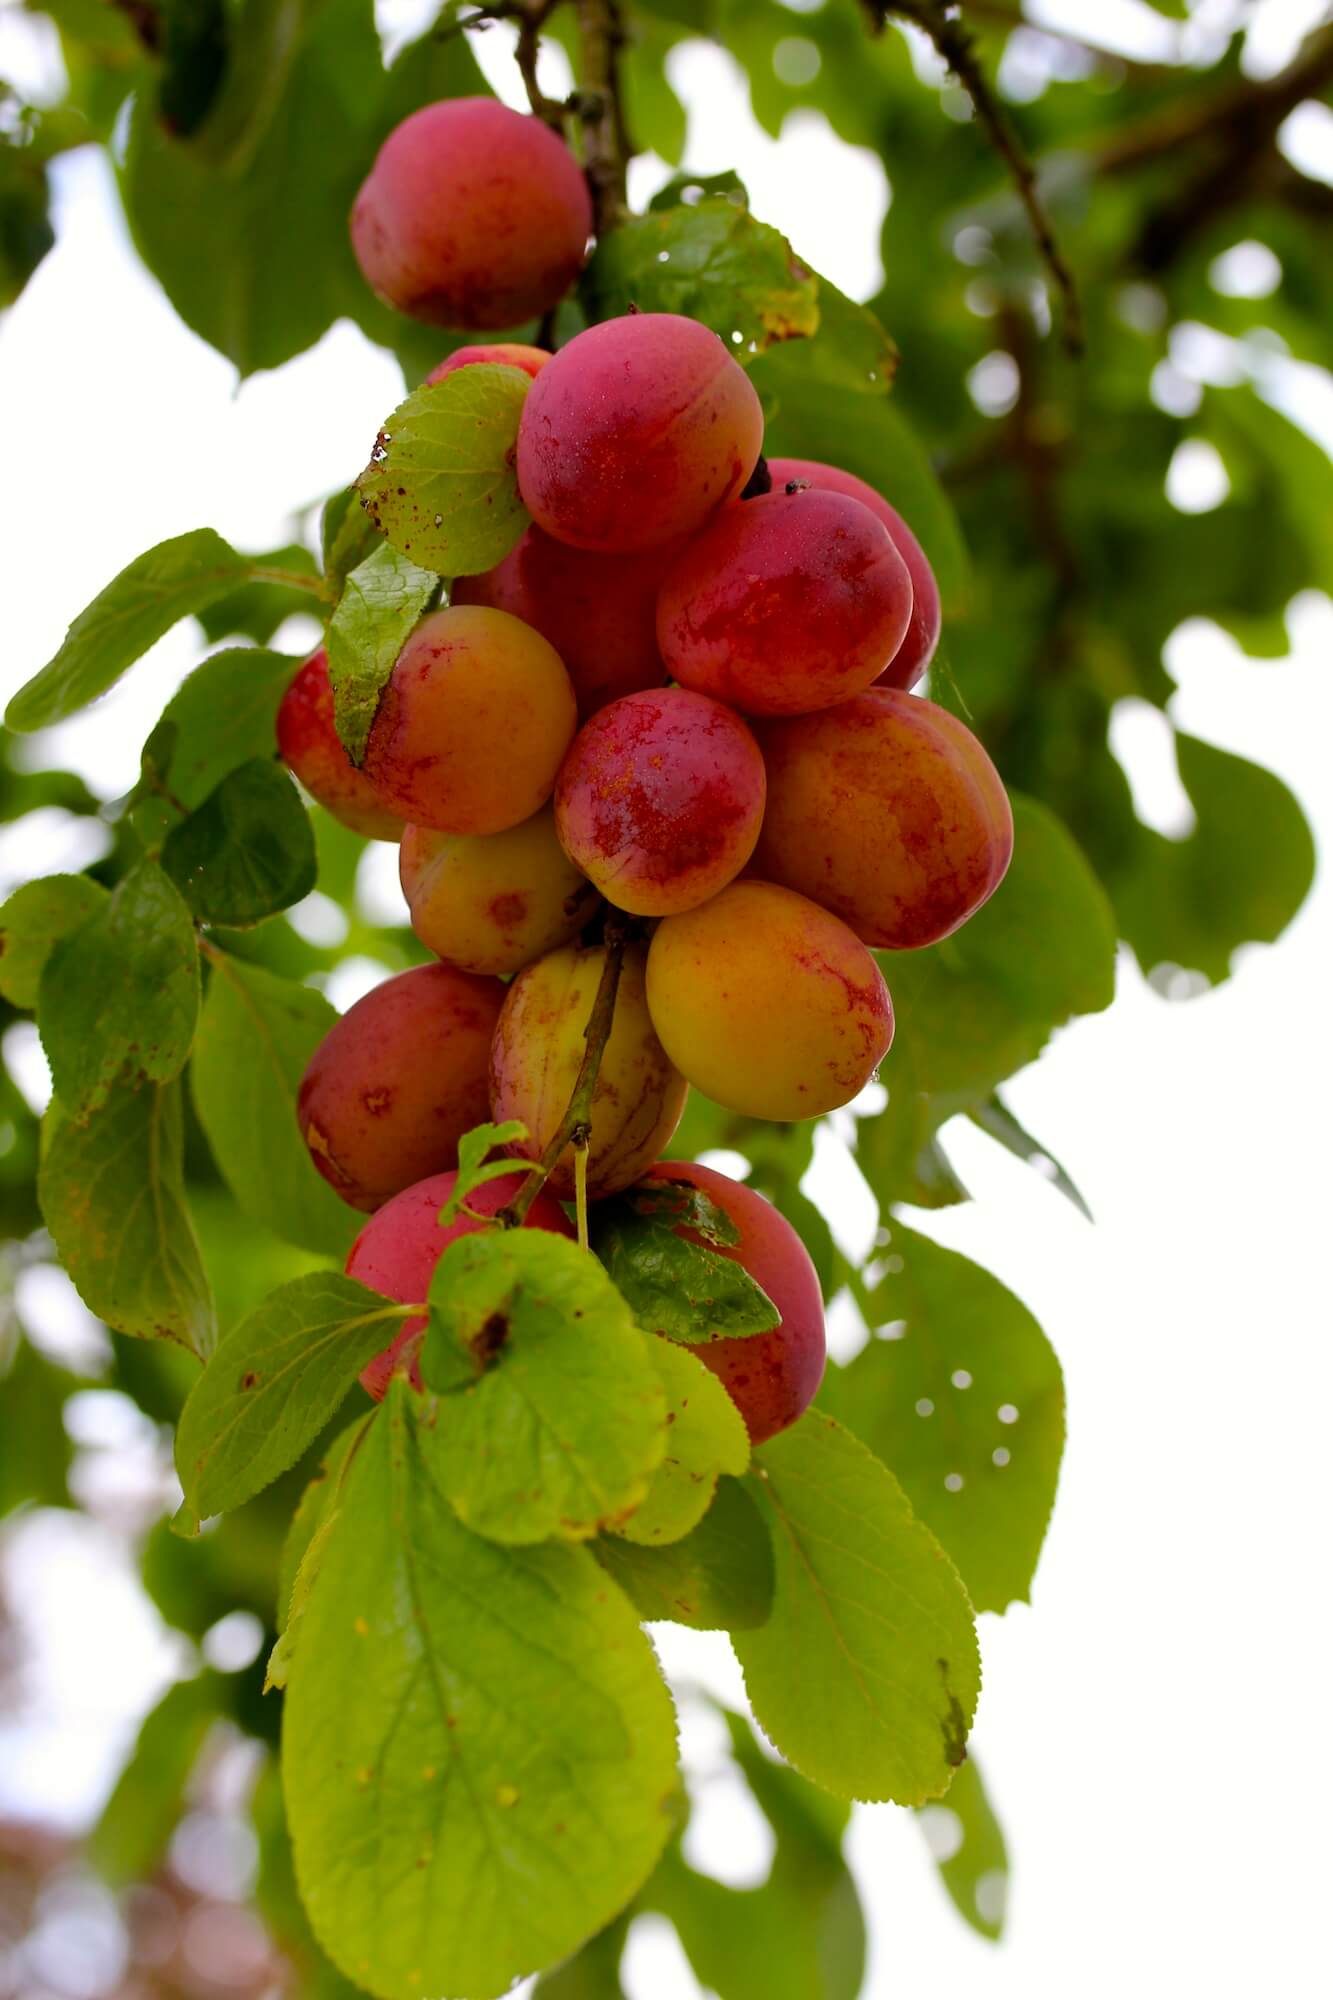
493,902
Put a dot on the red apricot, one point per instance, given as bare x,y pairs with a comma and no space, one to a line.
659,800
397,1251
636,431
493,902
538,1048
472,216
472,723
308,745
923,634
888,811
786,603
508,353
767,1003
598,611
771,1377
396,1082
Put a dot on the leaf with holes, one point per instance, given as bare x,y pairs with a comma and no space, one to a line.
441,483
866,1674
478,1750
552,1418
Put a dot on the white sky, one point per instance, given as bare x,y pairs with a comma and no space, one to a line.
1151,1728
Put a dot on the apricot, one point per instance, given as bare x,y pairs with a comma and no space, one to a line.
397,1251
788,602
396,1082
472,723
308,745
767,1003
493,902
636,431
598,611
923,634
508,353
472,216
771,1377
660,799
539,1045
889,812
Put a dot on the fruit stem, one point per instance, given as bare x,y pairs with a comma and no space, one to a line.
581,1192
575,1128
601,108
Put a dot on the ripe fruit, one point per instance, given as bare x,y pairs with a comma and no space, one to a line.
598,611
472,216
493,902
535,1058
771,1377
659,800
636,431
309,747
397,1251
788,602
509,354
472,723
397,1081
888,811
923,634
767,1003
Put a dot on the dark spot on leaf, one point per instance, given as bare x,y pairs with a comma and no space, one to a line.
250,1379
490,1338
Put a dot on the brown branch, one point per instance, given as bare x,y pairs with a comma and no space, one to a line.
941,21
600,104
575,1128
530,17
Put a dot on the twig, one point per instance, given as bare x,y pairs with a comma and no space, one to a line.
530,17
600,105
941,21
575,1128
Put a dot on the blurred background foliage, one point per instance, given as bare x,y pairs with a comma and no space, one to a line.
1079,509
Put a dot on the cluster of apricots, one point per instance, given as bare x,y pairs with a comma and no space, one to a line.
685,694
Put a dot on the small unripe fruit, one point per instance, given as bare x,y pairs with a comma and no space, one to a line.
397,1081
397,1251
767,1003
539,1045
639,428
308,745
598,611
507,353
771,1377
493,902
888,811
472,216
785,603
472,723
660,799
923,634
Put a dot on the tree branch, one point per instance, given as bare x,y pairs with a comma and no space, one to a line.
600,105
942,22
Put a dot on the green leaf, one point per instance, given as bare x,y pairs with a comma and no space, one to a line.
33,921
382,599
678,1285
553,1419
706,1437
478,1751
475,1168
256,610
318,1503
593,1974
968,1844
866,1674
958,1373
347,536
36,1458
119,997
980,1005
113,1194
130,1839
256,1034
687,190
151,595
247,851
220,716
995,1117
265,40
717,1578
441,483
274,1383
714,263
